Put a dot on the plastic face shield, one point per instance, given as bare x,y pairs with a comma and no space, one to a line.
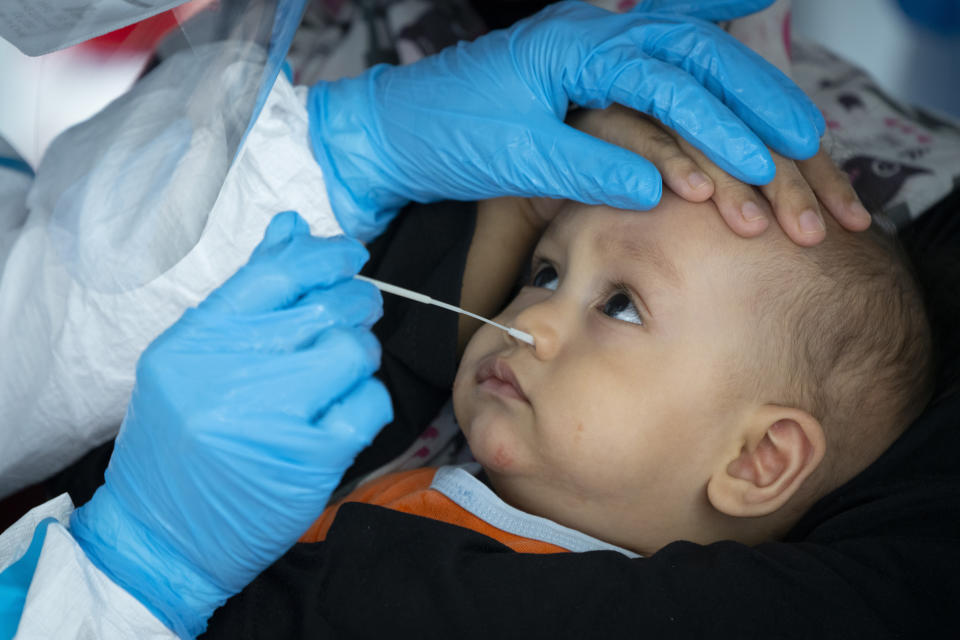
125,194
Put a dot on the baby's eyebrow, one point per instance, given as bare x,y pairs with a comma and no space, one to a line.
640,249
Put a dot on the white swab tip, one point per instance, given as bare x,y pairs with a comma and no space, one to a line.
521,335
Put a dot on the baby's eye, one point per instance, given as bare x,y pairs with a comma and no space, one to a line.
619,307
546,277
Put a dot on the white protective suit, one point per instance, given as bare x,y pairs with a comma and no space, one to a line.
72,366
77,270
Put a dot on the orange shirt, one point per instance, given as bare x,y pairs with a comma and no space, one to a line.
410,492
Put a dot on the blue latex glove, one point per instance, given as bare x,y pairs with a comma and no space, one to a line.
485,119
244,416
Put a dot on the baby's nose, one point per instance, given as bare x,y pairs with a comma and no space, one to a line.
538,321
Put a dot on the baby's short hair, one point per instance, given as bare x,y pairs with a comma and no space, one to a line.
847,339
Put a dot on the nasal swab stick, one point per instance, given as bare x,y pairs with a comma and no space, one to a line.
419,297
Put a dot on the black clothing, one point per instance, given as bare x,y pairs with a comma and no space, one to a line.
427,253
877,558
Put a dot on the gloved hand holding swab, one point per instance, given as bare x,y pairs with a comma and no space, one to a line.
419,297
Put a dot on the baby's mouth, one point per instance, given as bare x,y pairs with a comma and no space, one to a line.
496,376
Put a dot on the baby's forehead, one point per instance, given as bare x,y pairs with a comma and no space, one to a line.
674,233
620,243
688,244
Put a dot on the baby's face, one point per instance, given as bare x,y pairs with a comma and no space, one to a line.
616,418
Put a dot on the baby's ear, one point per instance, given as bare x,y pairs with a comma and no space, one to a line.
781,447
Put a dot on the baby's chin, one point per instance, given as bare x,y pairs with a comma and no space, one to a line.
501,460
492,438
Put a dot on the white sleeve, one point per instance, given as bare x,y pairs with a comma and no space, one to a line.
68,596
72,332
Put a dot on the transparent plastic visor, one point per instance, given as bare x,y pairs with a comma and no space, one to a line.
127,191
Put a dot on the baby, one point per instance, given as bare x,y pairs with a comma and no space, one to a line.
685,383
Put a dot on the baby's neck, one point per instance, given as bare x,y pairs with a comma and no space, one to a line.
614,524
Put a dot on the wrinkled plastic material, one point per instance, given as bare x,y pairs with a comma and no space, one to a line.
243,418
160,151
71,300
485,118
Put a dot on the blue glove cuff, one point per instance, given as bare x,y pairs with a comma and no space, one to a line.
362,203
15,582
155,575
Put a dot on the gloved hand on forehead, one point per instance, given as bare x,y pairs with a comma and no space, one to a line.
243,418
485,118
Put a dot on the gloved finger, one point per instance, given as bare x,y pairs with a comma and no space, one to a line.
766,100
592,171
794,204
324,447
681,103
279,275
350,424
305,382
350,303
282,228
833,188
634,131
709,10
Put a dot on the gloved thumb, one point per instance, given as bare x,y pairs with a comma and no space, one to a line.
589,170
709,10
282,228
288,263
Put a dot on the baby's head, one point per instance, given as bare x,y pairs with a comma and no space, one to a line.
687,383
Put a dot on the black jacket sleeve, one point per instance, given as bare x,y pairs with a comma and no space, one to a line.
877,558
424,250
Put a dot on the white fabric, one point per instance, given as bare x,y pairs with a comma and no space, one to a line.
70,342
460,485
68,596
15,540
